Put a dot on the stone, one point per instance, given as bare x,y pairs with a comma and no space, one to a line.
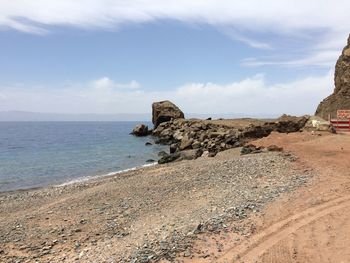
340,99
148,143
274,148
217,134
173,147
316,123
186,143
169,158
164,111
140,130
196,145
287,123
190,154
212,153
205,154
178,135
250,148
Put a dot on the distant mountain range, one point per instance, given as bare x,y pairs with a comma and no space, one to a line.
38,116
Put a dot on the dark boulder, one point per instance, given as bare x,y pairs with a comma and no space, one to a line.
169,158
287,123
250,148
140,130
173,147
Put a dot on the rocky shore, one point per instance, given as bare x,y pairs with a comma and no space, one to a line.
189,139
145,215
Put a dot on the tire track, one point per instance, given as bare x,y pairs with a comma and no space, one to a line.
252,249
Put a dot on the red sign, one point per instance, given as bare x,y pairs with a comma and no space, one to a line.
343,114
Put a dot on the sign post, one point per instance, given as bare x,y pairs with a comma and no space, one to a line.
343,116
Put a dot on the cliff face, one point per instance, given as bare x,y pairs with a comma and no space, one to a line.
340,99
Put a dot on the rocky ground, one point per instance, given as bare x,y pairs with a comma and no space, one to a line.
310,224
152,214
191,138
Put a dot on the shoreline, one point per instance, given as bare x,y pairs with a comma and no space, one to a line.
79,180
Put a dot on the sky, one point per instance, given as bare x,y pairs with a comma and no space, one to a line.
252,57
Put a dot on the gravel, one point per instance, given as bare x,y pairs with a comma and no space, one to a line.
144,215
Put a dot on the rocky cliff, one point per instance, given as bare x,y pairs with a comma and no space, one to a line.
340,99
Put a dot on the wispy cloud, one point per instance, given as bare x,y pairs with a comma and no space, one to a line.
252,95
325,58
21,26
324,23
242,37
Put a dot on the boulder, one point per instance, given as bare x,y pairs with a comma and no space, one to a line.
287,123
164,111
185,143
316,123
140,130
169,158
250,148
340,99
190,154
173,147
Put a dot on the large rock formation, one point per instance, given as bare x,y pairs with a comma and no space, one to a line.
209,138
340,99
164,111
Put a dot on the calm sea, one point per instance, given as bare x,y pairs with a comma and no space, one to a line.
34,154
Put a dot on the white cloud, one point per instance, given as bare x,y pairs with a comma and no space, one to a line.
322,23
105,83
250,14
251,96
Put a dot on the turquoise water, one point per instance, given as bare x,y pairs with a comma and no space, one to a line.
34,154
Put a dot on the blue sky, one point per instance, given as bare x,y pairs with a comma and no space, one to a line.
207,56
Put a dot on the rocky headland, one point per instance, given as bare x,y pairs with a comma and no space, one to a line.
340,99
192,138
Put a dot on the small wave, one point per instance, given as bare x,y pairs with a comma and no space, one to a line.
89,178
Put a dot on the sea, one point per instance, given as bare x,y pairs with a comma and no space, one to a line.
37,154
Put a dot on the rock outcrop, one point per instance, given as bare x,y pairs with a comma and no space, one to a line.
340,99
284,124
208,139
140,130
164,111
